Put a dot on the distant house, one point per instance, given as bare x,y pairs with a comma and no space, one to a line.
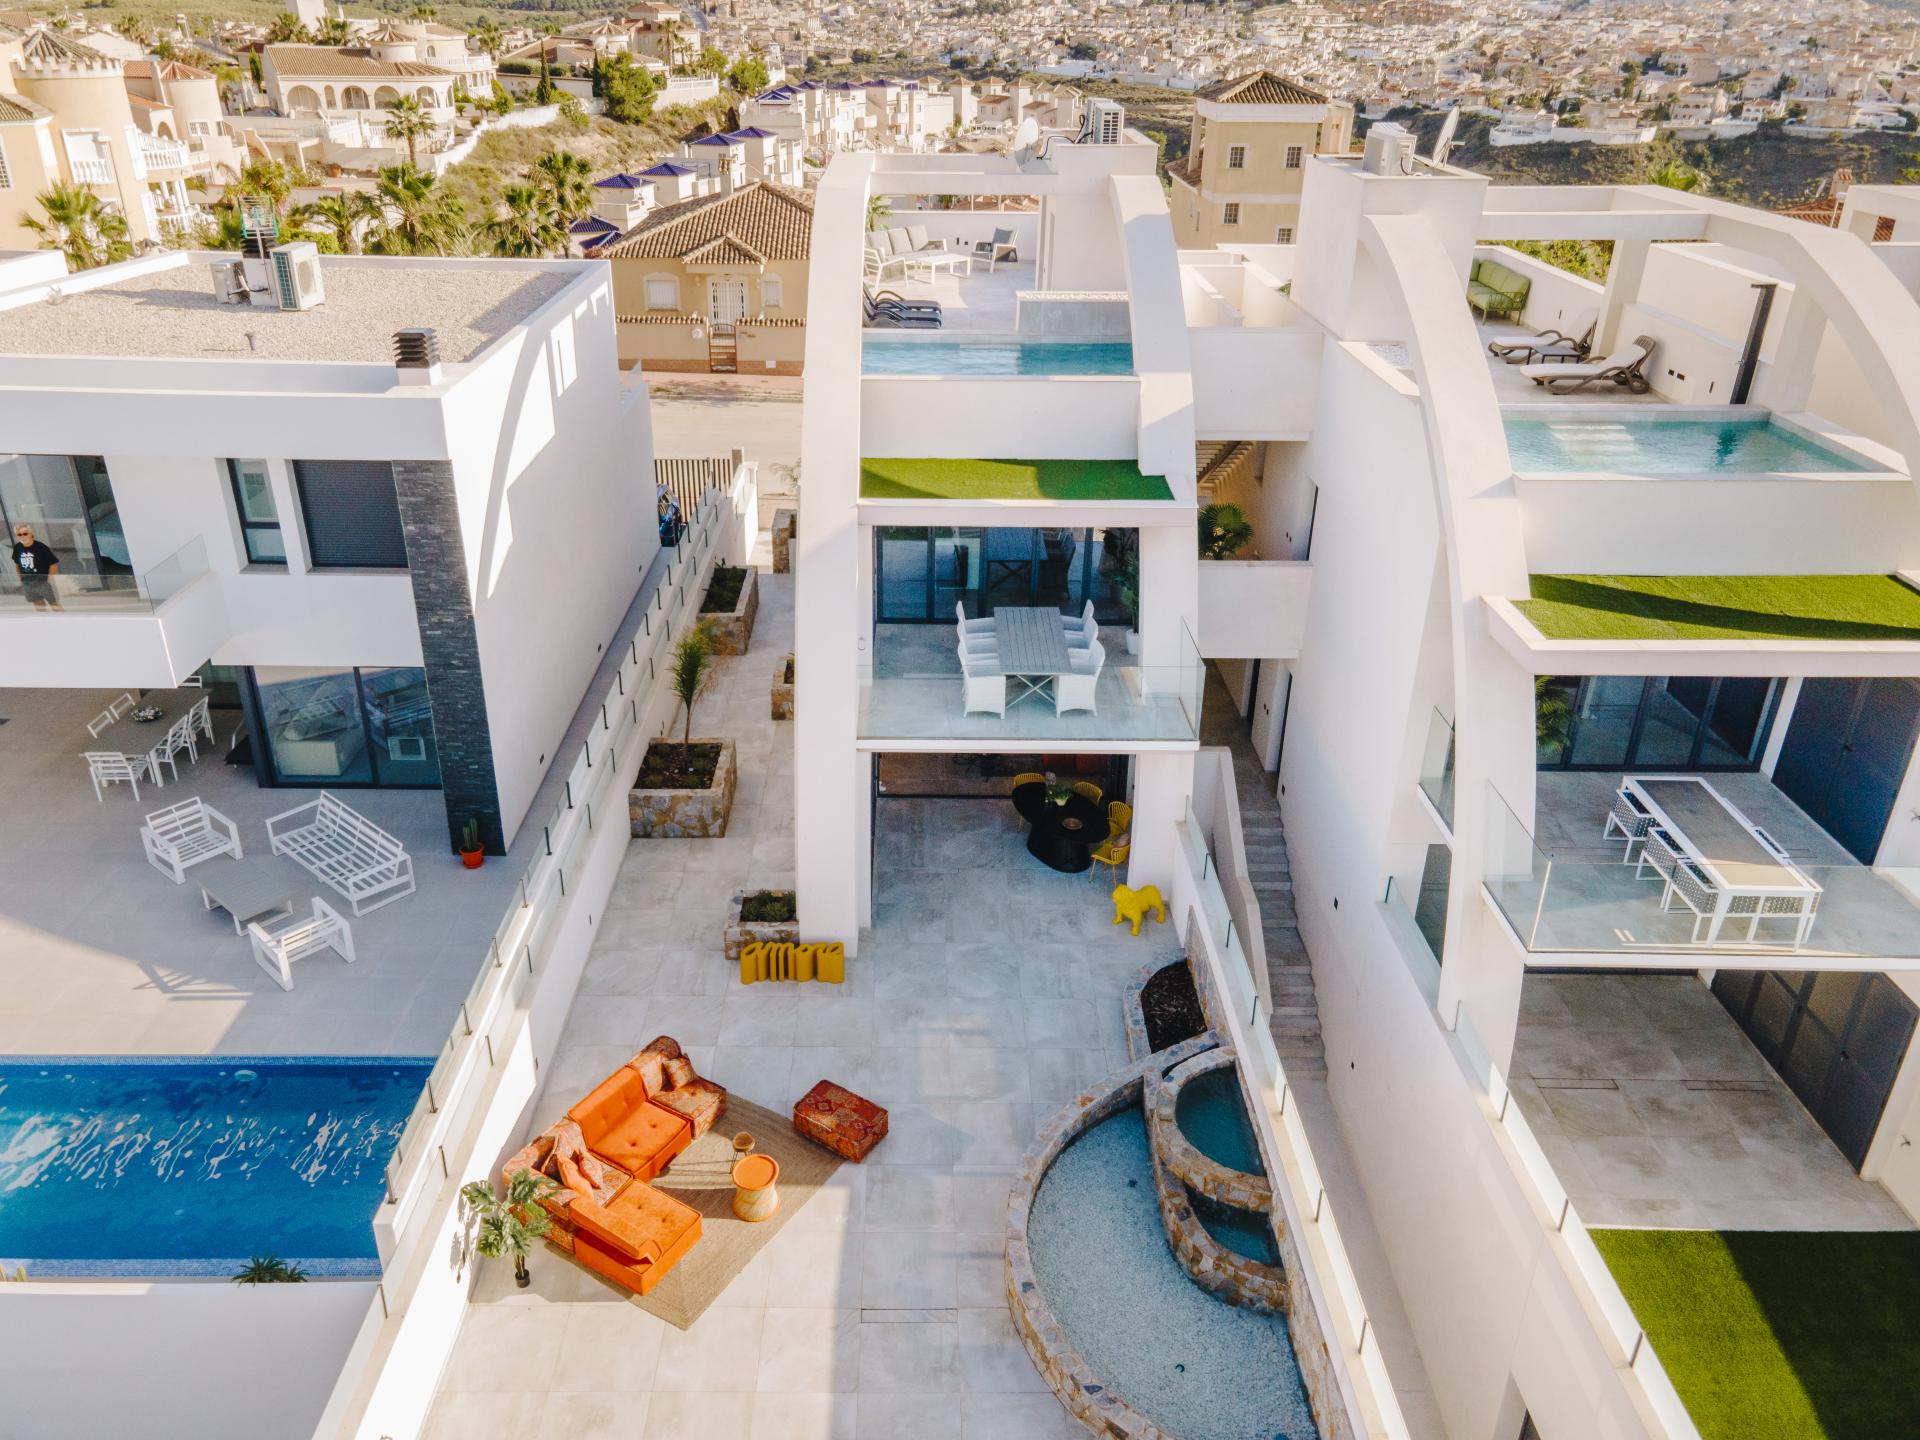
716,283
1245,167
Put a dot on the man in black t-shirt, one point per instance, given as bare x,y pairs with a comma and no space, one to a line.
37,564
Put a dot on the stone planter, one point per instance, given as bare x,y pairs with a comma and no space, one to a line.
741,933
783,690
785,526
729,631
672,814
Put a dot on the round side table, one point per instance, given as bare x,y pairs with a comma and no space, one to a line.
754,1195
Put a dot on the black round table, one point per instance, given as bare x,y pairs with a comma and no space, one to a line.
1060,837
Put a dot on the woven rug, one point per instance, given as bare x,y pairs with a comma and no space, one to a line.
702,1176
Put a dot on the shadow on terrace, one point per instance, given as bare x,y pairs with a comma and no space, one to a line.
100,953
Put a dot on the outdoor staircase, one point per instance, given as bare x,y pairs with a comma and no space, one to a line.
1221,462
723,350
1296,1011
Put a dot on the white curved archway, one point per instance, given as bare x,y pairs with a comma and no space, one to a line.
386,97
354,98
303,97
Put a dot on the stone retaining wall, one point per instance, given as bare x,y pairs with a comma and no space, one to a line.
783,526
1192,1168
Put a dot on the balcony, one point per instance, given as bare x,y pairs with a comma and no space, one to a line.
1572,896
159,154
93,171
151,629
913,696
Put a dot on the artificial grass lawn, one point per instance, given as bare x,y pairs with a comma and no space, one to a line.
1009,480
1723,607
1787,1335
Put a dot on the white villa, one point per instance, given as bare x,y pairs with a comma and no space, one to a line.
1525,777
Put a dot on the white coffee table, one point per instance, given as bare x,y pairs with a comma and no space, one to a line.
932,264
251,889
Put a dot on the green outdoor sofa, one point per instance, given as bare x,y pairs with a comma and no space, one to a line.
1492,289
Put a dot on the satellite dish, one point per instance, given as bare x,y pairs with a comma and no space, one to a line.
1443,142
1025,139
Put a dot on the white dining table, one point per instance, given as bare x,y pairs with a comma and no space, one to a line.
1738,858
1031,645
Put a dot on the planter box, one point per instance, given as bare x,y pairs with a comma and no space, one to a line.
741,933
669,814
730,631
782,691
784,527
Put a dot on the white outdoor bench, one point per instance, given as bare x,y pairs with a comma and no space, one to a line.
276,950
181,836
345,850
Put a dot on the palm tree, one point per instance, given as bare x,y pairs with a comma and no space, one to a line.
530,227
1676,175
228,78
266,179
80,225
420,219
407,119
565,179
287,29
345,216
488,36
332,30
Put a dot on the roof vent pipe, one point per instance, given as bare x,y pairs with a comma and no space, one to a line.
416,357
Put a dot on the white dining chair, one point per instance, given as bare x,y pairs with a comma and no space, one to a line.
123,706
1083,631
98,725
110,767
984,691
1074,690
972,627
201,717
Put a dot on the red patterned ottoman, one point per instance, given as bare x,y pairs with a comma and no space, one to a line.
842,1121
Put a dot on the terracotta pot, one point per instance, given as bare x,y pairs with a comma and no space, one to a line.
472,858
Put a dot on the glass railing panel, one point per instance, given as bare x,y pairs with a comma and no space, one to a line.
1513,868
79,593
1436,766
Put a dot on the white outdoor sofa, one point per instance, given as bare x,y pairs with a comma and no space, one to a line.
345,850
179,837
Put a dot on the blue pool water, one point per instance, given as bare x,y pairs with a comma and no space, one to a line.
1654,446
1245,1232
1196,1366
1010,357
1212,1115
125,1167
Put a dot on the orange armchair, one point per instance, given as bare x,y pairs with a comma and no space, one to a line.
637,1238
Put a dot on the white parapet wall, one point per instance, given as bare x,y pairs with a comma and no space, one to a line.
1080,417
1253,609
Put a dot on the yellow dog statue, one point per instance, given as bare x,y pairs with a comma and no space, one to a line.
1131,904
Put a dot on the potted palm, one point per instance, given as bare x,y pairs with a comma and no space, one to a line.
510,1223
685,787
1224,531
471,853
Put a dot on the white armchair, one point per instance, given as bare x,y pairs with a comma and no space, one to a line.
1075,689
986,687
181,836
274,951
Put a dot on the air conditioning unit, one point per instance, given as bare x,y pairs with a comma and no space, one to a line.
1389,150
296,275
1106,122
230,282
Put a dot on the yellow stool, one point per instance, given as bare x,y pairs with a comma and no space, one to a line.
783,960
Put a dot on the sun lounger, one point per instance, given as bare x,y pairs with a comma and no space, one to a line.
1623,367
1573,343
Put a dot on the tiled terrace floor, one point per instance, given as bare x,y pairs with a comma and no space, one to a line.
1657,1112
986,993
100,953
982,301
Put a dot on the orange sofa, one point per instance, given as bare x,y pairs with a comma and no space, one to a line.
623,1134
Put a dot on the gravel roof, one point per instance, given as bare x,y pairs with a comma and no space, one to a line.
172,314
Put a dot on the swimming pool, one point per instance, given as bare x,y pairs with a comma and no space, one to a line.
118,1167
1655,445
917,356
1198,1367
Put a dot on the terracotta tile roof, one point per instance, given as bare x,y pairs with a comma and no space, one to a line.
46,47
1825,210
1263,87
166,70
304,60
771,221
17,110
1182,170
723,250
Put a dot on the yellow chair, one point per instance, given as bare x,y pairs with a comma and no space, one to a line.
1030,778
1092,791
1119,819
1112,854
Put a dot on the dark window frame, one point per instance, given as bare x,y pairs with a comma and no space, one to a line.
249,527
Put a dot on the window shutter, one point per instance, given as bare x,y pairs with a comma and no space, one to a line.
352,514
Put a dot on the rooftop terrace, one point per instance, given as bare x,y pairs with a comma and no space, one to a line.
1723,607
171,312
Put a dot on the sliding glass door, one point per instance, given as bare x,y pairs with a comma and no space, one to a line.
68,502
345,727
921,573
1638,722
